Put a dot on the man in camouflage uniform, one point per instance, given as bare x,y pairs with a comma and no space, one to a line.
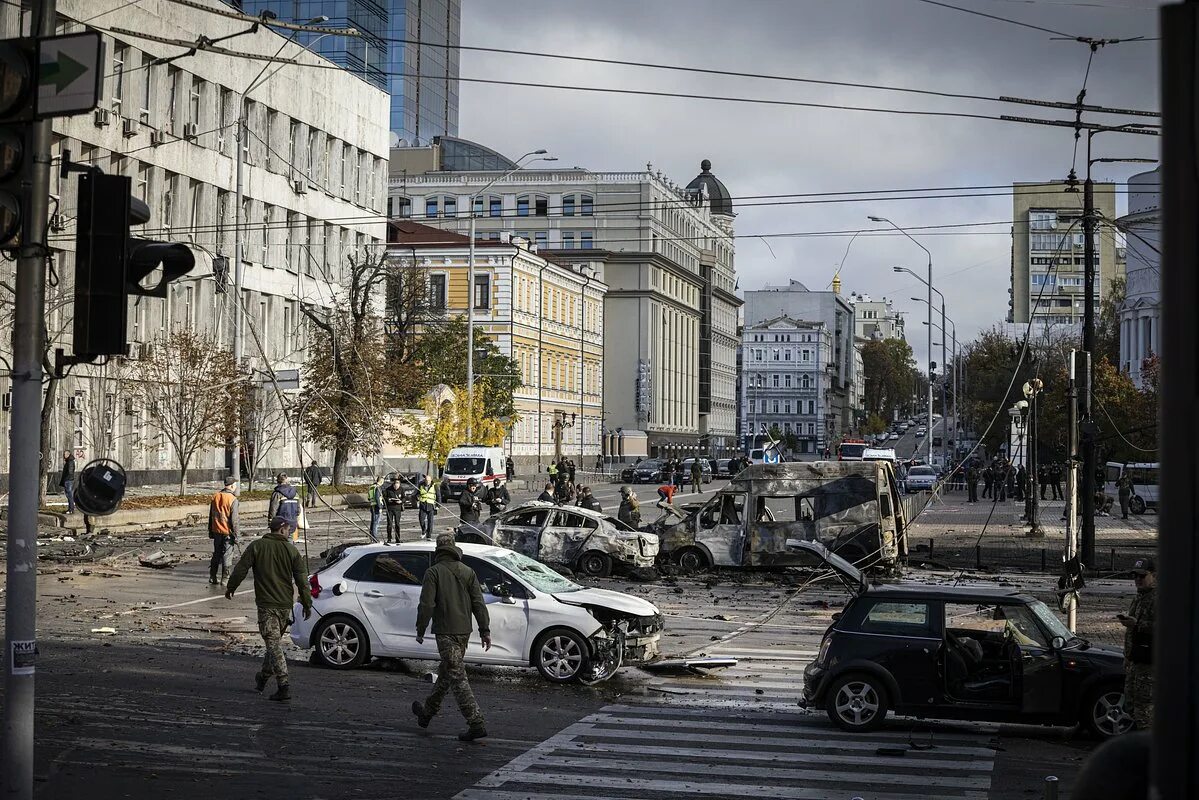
450,595
1138,645
277,567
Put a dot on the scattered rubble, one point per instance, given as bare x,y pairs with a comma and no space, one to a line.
158,560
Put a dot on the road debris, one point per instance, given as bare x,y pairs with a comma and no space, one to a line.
105,631
694,666
158,560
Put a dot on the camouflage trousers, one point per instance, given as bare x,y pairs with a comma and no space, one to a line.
452,675
1138,694
272,624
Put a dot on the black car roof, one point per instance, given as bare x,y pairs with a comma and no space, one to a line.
981,594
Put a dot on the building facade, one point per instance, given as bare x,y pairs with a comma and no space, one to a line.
668,256
875,320
796,301
549,317
787,381
1140,313
408,48
1047,278
314,194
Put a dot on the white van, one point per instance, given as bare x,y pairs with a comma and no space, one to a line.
1144,484
468,461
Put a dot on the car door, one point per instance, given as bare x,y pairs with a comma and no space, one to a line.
912,632
563,538
520,530
720,527
388,592
1040,666
509,616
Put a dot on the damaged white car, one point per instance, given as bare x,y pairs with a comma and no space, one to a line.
589,542
364,605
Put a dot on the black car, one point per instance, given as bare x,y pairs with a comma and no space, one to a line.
958,652
648,471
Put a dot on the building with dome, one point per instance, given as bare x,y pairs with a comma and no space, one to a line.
666,253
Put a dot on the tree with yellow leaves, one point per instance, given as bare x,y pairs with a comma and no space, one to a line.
443,420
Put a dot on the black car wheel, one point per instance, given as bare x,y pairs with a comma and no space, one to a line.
341,643
857,702
692,559
595,564
1104,714
1136,504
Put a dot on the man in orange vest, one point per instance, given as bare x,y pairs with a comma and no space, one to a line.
222,529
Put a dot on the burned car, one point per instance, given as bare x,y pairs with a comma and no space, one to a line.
851,507
984,653
589,542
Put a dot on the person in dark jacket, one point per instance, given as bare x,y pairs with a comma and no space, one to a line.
66,479
1138,644
374,499
470,505
450,595
284,503
588,500
547,496
278,567
509,468
313,475
498,497
393,501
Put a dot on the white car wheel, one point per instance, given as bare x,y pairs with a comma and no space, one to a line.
560,655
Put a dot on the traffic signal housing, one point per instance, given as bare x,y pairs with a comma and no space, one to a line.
18,99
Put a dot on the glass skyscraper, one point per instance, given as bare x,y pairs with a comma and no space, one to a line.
407,48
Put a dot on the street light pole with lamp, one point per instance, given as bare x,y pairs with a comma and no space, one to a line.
470,289
953,337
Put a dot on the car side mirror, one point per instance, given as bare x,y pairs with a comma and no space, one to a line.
504,594
1057,643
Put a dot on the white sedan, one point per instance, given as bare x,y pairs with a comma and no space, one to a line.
364,604
920,479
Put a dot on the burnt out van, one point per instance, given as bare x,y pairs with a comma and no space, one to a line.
851,507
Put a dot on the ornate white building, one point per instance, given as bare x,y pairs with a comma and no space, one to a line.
1140,313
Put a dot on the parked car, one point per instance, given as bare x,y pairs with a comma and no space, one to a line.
705,470
722,467
894,435
648,471
364,606
985,653
586,541
920,479
409,486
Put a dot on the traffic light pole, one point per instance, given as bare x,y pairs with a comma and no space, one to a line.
1088,387
26,467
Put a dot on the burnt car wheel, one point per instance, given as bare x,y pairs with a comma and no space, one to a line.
595,564
341,643
692,559
857,703
560,655
1136,505
1104,714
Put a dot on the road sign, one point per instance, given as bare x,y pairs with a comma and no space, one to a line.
288,378
770,456
69,74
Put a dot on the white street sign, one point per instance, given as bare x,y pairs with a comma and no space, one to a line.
69,74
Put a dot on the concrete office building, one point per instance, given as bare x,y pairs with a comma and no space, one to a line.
314,181
667,250
787,381
796,301
547,316
875,320
422,79
1047,254
1140,313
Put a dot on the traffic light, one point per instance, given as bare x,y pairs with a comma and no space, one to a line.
147,255
18,79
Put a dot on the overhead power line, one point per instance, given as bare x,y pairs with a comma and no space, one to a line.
998,18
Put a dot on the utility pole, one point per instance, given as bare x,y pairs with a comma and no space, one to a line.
25,465
1175,770
1072,486
1088,346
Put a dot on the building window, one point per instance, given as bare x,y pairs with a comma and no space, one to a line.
787,408
437,292
540,238
568,240
172,93
787,354
402,207
147,86
774,404
805,382
568,205
811,406
774,379
541,206
430,207
118,76
522,206
806,355
586,204
449,206
586,240
193,102
482,292
1042,220
787,381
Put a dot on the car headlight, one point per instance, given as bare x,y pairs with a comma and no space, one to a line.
823,652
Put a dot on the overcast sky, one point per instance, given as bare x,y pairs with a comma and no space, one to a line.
768,150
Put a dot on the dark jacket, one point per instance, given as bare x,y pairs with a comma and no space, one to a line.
547,497
68,471
277,567
630,513
590,502
498,498
393,496
313,475
1138,638
449,595
284,504
468,506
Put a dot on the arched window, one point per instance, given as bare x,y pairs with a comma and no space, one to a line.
568,205
586,205
806,382
449,206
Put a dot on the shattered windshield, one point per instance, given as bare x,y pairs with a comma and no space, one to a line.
534,573
1048,619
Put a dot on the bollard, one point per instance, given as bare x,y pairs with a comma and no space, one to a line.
978,556
1051,784
1042,559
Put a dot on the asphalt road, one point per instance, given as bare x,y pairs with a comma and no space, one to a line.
165,705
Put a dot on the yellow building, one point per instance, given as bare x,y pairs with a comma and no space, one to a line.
549,317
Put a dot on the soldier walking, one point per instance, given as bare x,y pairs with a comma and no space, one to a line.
450,595
697,477
630,510
988,481
278,567
971,484
1124,489
1138,645
1056,481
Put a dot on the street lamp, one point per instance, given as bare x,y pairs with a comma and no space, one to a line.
929,284
470,287
953,329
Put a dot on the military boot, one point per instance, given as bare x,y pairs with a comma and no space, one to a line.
260,681
282,694
472,733
422,719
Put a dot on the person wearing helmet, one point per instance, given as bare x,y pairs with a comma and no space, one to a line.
470,504
630,509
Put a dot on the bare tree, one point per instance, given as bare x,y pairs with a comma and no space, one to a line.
102,405
348,391
190,389
264,424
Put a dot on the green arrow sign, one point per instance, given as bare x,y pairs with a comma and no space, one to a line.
62,72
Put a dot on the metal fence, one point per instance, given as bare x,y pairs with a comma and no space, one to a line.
1021,555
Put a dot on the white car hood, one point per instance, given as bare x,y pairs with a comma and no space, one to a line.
606,598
